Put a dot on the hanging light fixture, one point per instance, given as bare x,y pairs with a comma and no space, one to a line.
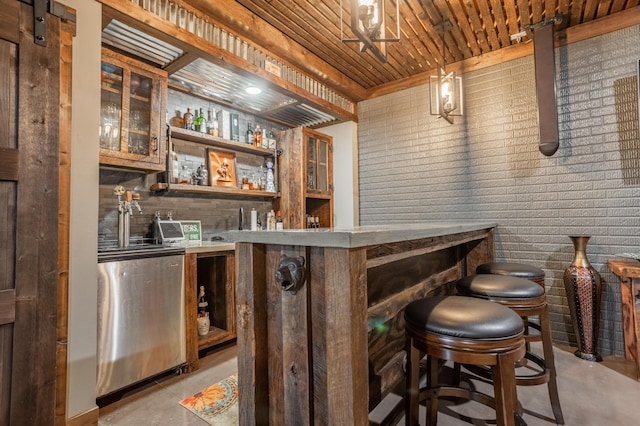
368,24
445,89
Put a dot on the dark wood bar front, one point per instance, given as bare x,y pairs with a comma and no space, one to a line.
329,350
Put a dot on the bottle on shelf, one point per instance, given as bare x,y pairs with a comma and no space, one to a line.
270,185
271,144
265,139
203,305
249,137
215,125
254,220
209,122
199,122
203,314
271,221
187,119
279,223
257,136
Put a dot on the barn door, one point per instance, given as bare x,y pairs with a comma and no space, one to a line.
30,159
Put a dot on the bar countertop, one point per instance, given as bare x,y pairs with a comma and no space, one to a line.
209,247
358,236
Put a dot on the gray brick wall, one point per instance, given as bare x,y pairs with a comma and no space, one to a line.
487,165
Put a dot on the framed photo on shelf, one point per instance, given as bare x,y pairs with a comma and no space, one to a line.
222,168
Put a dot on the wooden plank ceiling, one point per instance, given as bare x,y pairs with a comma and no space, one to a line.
307,33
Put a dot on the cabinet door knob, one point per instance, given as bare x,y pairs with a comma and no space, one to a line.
155,144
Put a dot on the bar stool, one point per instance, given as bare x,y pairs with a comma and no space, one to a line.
526,298
463,330
520,270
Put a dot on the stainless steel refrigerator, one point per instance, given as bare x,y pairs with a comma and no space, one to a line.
141,316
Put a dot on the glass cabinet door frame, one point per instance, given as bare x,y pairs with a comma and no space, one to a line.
318,147
156,138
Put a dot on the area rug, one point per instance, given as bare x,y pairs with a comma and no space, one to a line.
217,404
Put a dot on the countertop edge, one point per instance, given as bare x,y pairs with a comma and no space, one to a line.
359,236
210,247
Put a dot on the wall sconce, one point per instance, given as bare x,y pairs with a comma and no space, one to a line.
445,89
445,94
368,24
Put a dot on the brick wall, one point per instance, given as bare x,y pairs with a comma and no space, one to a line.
487,166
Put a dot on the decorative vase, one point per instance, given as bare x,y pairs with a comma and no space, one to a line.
583,286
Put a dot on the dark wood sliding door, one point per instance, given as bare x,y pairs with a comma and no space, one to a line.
33,279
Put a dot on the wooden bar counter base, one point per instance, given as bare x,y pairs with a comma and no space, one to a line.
326,351
628,271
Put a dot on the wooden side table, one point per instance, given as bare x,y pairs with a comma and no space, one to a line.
628,270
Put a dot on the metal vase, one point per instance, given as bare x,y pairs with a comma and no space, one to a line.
583,286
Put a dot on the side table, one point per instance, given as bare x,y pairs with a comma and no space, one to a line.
628,271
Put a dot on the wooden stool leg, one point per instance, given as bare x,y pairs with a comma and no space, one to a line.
433,369
411,399
547,347
504,386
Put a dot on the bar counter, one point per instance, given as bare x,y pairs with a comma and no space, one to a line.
328,349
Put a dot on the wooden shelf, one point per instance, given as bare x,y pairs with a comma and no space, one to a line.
322,196
217,190
216,335
203,138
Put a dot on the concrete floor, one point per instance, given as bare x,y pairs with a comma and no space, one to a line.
592,394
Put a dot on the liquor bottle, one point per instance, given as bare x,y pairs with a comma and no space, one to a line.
279,223
271,140
200,122
270,186
209,122
215,126
271,221
265,139
187,119
204,323
257,136
249,139
203,305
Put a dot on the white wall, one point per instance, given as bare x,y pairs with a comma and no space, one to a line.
345,173
84,208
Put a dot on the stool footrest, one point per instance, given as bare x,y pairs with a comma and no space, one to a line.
468,394
457,392
540,377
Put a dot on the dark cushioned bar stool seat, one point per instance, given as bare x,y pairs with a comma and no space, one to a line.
520,270
464,330
527,299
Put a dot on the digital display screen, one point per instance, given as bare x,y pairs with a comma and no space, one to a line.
171,230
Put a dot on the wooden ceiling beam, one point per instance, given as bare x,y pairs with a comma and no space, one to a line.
181,62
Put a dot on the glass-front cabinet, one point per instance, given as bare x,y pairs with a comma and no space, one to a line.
306,193
132,110
319,154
